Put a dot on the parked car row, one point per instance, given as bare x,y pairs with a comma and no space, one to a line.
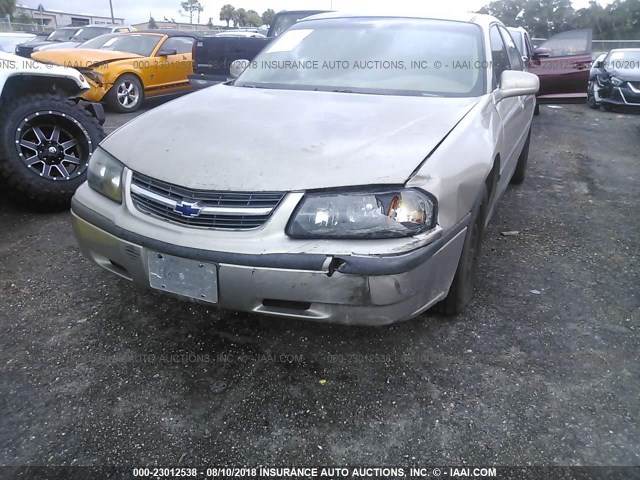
124,68
68,37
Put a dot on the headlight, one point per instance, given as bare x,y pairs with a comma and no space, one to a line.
363,215
105,175
94,76
616,81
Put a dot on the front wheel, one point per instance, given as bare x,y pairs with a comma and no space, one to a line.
521,168
461,291
593,99
126,95
45,145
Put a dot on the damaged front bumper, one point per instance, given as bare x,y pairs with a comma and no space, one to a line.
625,95
350,289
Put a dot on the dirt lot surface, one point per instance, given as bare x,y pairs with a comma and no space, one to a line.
542,369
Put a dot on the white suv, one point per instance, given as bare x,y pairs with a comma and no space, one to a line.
46,134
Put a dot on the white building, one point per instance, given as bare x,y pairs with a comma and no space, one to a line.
51,19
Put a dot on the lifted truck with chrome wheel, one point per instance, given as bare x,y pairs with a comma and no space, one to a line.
47,135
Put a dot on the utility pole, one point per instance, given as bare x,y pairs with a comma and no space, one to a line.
113,20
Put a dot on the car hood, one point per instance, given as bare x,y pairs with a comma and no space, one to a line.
36,43
81,57
246,139
625,74
59,46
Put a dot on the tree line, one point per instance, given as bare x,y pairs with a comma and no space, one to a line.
245,18
619,20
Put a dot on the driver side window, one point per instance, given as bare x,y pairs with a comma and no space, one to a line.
181,45
499,55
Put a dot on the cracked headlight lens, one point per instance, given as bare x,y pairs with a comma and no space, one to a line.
389,213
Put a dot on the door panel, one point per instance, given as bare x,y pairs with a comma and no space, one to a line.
565,71
171,70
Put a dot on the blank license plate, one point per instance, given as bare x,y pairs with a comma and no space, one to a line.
186,277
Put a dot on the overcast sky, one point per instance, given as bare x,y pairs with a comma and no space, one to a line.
136,11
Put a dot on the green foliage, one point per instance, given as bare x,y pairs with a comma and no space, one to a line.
239,17
542,18
267,16
227,13
253,19
191,7
22,17
7,7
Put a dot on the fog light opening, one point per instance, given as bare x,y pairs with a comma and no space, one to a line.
286,304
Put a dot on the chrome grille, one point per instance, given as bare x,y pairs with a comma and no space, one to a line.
202,208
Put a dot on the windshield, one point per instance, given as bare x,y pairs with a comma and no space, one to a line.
62,35
287,20
626,56
382,56
87,33
138,44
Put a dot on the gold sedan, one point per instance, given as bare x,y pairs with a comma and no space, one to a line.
124,68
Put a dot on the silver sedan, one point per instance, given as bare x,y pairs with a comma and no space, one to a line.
360,192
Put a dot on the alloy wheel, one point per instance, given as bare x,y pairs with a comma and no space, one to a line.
53,145
128,94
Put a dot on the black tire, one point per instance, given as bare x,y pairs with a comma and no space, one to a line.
461,291
536,110
127,88
45,145
521,168
591,99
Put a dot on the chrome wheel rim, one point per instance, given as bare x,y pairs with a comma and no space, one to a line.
128,94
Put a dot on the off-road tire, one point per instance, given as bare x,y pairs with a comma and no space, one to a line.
27,185
461,291
521,168
112,95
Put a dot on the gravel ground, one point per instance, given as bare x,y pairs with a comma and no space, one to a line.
542,369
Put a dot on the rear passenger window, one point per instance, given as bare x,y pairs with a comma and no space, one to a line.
499,55
515,57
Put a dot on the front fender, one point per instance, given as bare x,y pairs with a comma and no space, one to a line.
456,171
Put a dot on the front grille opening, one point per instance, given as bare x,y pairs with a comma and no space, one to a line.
159,199
286,304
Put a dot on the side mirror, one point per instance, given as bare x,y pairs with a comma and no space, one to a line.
167,52
237,67
514,83
542,52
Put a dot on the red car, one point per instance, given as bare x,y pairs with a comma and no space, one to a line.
562,63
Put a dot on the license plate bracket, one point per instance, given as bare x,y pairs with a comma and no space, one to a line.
183,276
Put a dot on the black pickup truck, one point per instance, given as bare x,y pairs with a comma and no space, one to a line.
213,55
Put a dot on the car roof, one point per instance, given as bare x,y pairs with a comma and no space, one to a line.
476,18
168,32
17,34
625,49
